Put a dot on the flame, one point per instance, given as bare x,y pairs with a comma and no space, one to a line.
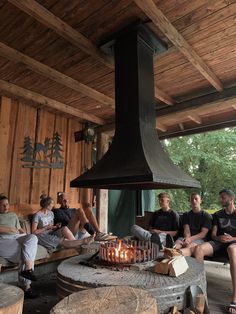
122,253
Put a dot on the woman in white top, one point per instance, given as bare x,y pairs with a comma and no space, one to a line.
49,235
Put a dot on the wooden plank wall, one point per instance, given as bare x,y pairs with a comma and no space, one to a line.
25,185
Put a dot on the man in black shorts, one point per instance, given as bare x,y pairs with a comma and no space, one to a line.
196,225
163,226
80,221
223,238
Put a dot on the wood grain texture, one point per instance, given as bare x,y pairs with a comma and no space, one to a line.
11,299
108,300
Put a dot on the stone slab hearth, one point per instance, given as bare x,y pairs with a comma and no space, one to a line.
168,291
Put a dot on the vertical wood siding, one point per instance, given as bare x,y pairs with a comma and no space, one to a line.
25,185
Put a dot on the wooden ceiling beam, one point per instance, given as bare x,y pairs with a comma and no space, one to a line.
160,20
200,102
159,94
45,17
48,72
206,109
19,92
181,126
195,117
161,127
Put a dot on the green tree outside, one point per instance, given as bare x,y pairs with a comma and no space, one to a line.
208,157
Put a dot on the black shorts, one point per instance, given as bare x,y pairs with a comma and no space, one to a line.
219,247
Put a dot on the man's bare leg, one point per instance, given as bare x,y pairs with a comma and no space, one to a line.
79,219
232,260
190,250
202,250
90,216
76,243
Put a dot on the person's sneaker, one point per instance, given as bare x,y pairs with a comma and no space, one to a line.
100,236
170,243
28,274
156,239
30,294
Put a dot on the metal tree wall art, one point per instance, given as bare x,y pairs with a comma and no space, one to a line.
43,155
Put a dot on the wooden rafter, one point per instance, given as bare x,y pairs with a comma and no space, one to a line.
44,16
180,116
42,69
181,126
17,91
161,127
195,117
163,96
160,20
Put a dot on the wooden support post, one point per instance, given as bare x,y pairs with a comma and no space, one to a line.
102,195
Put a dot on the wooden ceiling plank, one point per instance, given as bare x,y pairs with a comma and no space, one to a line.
44,16
42,69
160,20
17,91
195,118
164,97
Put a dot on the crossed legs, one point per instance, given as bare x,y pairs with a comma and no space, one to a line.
82,217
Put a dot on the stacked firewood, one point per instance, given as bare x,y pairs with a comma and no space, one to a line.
173,264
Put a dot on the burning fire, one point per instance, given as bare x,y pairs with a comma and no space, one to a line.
124,252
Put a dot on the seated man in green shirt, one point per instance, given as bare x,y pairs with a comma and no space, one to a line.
17,247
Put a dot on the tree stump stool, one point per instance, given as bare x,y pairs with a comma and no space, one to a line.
107,300
11,299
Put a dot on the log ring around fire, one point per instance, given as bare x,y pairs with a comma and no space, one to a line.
168,291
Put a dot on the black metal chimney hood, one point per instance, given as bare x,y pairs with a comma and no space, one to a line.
135,159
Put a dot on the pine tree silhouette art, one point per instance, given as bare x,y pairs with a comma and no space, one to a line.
28,150
57,158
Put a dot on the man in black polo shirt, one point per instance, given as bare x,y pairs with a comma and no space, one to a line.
163,225
196,225
223,238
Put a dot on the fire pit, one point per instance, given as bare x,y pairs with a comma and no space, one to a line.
81,272
128,252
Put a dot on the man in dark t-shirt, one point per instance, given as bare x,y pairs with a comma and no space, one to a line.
223,238
80,221
196,224
163,225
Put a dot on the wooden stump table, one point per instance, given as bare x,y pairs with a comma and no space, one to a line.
11,299
168,291
107,300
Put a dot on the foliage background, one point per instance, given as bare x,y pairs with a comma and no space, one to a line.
208,157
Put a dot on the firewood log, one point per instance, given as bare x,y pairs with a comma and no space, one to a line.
200,304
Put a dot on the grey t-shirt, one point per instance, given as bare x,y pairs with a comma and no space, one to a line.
43,220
